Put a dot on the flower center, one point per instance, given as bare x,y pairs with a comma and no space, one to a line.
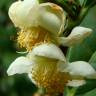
46,75
28,38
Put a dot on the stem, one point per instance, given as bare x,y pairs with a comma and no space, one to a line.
84,3
78,2
71,92
59,94
83,12
76,22
42,91
90,4
93,4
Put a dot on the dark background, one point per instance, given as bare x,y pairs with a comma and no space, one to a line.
17,85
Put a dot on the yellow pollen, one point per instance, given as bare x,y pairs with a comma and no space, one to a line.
28,38
47,76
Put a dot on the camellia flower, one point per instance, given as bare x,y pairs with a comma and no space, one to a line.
47,67
38,22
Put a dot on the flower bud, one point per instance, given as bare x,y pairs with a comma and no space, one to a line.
77,35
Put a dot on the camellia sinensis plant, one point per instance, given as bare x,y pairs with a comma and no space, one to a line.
47,29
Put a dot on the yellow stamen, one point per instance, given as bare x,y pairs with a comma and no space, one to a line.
28,38
47,76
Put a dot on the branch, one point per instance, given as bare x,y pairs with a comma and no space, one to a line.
72,24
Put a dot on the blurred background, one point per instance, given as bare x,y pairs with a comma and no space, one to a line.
20,85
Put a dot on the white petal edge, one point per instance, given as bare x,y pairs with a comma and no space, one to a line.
79,30
48,50
76,83
52,18
20,65
80,68
30,77
12,12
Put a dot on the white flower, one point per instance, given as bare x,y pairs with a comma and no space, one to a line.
43,22
39,23
77,35
47,67
29,13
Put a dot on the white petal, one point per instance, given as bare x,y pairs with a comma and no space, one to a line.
81,32
80,68
30,76
12,12
76,83
48,50
77,35
24,13
20,65
52,18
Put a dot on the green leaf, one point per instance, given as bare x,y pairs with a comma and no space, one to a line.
79,52
90,84
92,60
84,50
90,3
91,93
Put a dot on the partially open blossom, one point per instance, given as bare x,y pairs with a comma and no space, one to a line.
52,17
77,35
41,23
47,67
46,20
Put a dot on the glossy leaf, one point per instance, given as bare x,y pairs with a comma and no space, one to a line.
91,84
84,50
93,60
90,2
91,93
